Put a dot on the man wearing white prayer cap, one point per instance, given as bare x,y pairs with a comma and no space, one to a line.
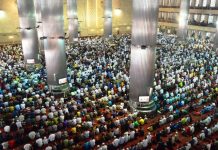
32,135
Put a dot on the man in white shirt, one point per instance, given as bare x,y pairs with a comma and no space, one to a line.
104,146
45,141
149,137
51,137
92,142
27,146
202,135
195,140
86,134
126,137
32,135
132,135
117,131
102,119
39,142
188,146
145,143
116,142
122,139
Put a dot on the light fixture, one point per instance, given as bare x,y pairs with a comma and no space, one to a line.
117,12
2,14
11,37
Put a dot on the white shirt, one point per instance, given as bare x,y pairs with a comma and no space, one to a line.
39,142
117,131
202,135
188,146
92,142
19,125
51,137
79,120
145,143
86,134
5,145
27,146
104,147
45,141
122,139
126,137
149,138
132,134
195,140
116,142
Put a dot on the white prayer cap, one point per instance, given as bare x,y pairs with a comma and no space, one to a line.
48,148
7,128
38,118
37,95
10,94
32,135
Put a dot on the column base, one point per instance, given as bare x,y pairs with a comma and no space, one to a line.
148,108
59,90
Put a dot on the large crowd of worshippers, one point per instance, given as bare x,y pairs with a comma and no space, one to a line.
95,114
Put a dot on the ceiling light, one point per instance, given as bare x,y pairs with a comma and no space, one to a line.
117,12
2,14
11,37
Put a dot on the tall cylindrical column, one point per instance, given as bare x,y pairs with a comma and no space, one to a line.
73,20
53,39
216,38
144,31
37,4
28,31
107,18
183,19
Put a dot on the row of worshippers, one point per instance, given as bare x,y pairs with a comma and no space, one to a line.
174,137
